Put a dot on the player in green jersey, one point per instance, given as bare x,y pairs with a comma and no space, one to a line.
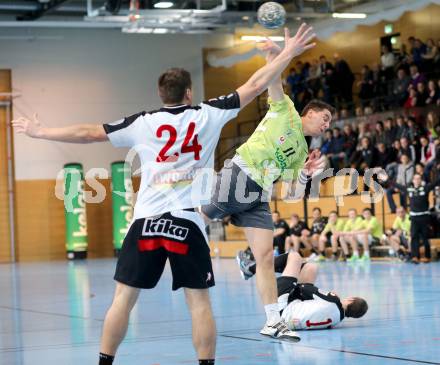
276,150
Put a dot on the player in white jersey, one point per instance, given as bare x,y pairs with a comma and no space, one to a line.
303,305
175,144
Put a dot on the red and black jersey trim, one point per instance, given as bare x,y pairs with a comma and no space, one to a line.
174,109
110,128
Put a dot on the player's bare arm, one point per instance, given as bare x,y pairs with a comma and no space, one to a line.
260,80
80,133
276,91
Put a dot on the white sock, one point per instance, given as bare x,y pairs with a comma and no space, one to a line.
272,313
367,253
355,253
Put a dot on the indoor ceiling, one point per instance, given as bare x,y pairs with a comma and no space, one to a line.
188,16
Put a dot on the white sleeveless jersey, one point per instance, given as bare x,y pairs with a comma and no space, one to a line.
176,148
310,314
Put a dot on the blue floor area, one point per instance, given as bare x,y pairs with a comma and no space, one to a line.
52,313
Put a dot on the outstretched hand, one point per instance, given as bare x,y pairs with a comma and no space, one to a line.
315,163
271,49
300,42
27,126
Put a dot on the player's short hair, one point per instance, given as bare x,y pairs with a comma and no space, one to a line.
276,212
357,308
317,106
333,212
173,84
367,210
317,208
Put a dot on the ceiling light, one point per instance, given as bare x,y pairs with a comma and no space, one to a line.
349,15
258,38
160,30
163,5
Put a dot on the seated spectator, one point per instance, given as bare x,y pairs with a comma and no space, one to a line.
379,133
401,128
400,87
330,234
420,169
433,93
318,225
369,234
416,76
418,49
400,235
390,131
337,153
350,139
411,102
298,234
427,150
432,125
407,149
422,94
413,129
352,224
281,231
405,172
326,144
383,156
364,157
295,83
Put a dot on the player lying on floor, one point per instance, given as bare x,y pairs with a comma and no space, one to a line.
302,304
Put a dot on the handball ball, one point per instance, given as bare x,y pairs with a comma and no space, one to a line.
271,15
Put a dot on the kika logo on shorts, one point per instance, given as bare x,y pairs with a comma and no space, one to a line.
164,227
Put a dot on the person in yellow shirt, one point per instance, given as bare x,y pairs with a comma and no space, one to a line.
369,234
400,234
330,233
353,223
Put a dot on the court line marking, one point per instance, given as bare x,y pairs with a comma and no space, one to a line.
338,350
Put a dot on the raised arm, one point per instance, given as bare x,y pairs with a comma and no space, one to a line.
276,91
261,79
80,133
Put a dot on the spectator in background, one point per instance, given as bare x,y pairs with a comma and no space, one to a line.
432,126
407,149
370,234
318,225
400,87
400,234
366,86
337,153
387,61
350,139
324,65
420,169
294,82
403,58
417,50
416,76
330,86
364,157
281,231
298,234
422,94
401,128
383,156
379,133
433,93
345,79
353,223
314,80
379,83
326,145
411,102
405,172
427,150
330,233
390,131
432,53
413,129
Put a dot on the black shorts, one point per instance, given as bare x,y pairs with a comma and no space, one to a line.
252,210
176,236
285,284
